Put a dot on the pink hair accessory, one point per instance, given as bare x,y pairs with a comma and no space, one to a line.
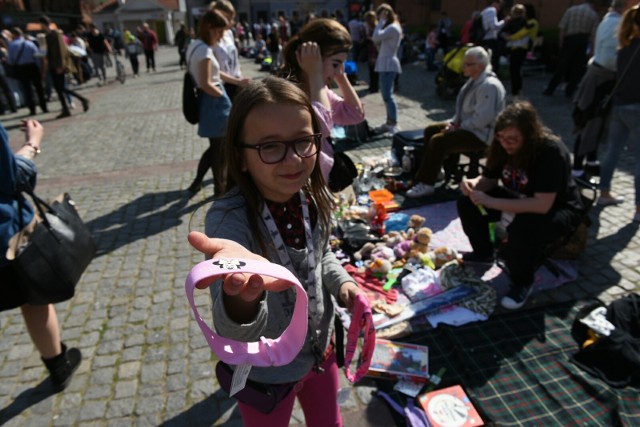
267,351
361,320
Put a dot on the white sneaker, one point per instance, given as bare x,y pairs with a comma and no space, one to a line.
393,130
383,128
420,190
72,105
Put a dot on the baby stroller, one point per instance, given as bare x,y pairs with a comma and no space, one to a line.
450,79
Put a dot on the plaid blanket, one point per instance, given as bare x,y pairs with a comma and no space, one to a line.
516,370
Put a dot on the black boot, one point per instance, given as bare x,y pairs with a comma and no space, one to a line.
62,366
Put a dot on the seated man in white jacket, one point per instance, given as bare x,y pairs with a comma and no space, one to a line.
479,102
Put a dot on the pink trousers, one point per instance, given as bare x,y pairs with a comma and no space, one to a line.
318,396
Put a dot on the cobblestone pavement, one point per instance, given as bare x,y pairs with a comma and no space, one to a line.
126,162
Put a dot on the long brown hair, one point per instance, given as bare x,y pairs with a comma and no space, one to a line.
535,134
271,90
391,17
211,19
629,27
329,34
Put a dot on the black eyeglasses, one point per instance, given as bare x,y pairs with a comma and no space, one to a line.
276,151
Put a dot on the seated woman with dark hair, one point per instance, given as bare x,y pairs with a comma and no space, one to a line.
528,181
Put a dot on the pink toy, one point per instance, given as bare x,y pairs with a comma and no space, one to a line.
266,352
361,320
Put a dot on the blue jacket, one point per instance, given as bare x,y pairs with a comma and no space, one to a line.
15,173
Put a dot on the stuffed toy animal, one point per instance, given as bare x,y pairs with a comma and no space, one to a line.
422,239
442,255
380,267
364,252
392,238
382,251
416,221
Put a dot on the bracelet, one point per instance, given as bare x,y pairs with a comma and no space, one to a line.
35,148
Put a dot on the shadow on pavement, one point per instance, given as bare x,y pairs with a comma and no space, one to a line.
206,412
150,214
29,397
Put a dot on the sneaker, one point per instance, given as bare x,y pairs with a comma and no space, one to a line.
610,200
383,128
420,190
393,130
516,297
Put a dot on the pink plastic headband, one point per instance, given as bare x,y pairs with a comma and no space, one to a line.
267,351
361,320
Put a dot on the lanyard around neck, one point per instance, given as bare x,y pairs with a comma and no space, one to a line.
285,259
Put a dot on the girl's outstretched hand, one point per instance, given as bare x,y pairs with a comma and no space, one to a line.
348,292
247,287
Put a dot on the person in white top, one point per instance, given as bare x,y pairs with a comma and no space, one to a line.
214,104
226,52
388,35
492,27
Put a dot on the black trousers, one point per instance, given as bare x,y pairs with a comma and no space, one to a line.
212,158
29,77
150,56
135,65
61,89
516,59
572,63
527,235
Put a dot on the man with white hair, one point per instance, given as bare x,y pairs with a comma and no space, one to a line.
480,100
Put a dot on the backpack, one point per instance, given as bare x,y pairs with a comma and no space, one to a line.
190,94
477,33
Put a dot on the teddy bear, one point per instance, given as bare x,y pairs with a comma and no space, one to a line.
415,221
422,239
364,252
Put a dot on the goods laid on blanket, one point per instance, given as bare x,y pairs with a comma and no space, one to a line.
411,285
409,282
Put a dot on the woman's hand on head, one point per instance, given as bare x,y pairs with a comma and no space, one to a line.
310,58
348,292
246,286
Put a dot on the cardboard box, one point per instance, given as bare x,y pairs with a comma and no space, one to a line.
397,360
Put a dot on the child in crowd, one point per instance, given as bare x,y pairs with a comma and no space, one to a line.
278,206
313,59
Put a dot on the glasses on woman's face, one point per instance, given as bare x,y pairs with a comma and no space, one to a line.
276,151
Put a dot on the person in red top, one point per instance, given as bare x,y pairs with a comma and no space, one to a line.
149,41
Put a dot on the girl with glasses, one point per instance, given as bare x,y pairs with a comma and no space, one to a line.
277,207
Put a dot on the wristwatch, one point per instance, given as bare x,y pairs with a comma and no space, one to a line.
265,352
36,149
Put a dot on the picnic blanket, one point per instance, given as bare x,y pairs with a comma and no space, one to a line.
517,371
443,220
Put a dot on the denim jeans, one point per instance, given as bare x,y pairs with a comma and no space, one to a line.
624,129
386,90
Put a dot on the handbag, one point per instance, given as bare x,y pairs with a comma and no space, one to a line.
261,397
50,254
190,93
342,173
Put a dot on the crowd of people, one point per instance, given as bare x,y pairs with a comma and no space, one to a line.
49,59
272,159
